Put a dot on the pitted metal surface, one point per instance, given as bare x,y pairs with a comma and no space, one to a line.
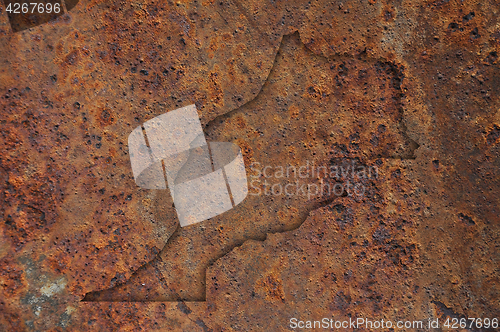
409,87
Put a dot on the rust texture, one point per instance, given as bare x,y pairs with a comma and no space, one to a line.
411,88
322,117
24,18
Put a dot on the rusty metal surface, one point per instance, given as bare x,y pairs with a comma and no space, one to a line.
410,87
322,115
24,18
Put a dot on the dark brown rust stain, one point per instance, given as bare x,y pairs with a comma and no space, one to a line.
21,21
